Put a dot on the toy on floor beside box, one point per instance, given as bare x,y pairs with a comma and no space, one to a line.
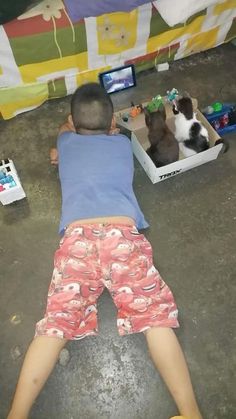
222,117
10,186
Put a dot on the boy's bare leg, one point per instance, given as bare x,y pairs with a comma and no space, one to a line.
169,359
39,361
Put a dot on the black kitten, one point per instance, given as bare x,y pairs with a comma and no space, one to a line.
164,147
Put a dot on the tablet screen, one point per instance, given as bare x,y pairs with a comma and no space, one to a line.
118,79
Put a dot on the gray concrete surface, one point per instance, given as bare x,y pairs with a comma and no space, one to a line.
193,224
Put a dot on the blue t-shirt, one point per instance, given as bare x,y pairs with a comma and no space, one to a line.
96,174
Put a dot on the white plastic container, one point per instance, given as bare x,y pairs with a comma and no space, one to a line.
10,186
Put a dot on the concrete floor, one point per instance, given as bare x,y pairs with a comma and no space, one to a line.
193,224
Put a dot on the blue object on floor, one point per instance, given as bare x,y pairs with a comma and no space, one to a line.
223,121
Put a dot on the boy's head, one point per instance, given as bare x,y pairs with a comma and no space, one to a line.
91,109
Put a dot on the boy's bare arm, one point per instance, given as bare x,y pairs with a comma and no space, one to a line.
67,126
53,156
114,129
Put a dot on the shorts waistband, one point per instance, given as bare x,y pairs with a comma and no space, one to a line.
99,225
98,228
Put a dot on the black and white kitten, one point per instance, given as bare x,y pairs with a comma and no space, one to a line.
189,132
164,148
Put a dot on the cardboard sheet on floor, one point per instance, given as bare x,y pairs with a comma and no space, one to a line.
139,138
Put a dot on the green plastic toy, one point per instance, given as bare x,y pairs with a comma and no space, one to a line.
155,103
217,106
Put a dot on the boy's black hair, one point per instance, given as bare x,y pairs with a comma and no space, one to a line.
91,108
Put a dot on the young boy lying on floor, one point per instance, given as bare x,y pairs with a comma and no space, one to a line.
102,247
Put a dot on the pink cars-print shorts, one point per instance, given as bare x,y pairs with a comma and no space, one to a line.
92,257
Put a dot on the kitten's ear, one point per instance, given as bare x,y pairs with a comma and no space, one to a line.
147,116
186,94
146,111
175,109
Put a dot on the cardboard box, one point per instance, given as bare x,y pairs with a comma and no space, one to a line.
10,186
137,127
